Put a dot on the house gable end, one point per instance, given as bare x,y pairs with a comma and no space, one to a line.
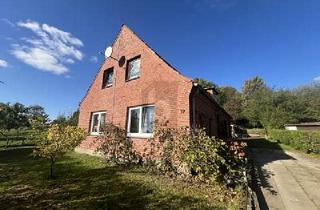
126,38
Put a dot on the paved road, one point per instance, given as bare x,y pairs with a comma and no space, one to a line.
287,180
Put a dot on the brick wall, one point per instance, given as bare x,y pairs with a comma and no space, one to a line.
209,115
159,84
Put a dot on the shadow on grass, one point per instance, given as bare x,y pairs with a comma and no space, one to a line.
262,152
24,184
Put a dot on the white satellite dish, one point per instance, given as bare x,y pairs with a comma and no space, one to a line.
108,52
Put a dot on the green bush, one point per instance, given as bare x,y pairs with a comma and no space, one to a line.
194,154
180,152
308,141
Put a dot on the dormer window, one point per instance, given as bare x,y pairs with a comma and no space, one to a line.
133,68
107,78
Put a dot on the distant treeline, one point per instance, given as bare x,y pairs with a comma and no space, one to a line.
259,106
19,116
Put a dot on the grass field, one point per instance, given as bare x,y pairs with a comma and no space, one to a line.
86,182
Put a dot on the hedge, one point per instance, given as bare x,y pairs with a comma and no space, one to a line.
308,141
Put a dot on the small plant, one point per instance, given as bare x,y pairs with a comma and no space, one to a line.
58,141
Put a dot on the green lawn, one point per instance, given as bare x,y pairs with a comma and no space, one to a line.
86,182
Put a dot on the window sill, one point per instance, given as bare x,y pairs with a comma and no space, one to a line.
140,135
134,78
95,134
108,86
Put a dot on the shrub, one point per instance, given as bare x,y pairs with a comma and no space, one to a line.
308,141
177,152
114,145
195,154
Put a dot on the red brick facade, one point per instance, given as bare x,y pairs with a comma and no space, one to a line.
159,84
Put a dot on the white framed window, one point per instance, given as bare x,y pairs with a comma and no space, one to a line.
141,121
133,68
97,122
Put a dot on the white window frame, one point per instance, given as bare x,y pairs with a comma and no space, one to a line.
140,134
99,118
127,73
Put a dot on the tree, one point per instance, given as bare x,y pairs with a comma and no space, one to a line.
61,120
67,120
309,97
251,86
37,117
231,100
74,118
13,116
60,139
269,108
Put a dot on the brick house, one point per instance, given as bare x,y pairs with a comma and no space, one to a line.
137,86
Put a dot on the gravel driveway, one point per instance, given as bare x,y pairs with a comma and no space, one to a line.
286,180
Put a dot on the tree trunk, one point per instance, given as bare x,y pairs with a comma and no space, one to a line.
7,137
51,167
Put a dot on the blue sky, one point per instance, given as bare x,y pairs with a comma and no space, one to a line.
225,41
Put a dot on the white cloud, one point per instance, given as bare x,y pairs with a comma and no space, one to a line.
317,79
3,63
94,59
50,50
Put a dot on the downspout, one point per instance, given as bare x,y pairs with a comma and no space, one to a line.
194,105
114,93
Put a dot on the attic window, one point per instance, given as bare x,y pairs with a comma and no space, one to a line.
133,68
107,78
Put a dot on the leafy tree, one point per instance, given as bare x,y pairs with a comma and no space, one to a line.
37,117
13,116
309,97
74,118
60,139
67,120
251,86
231,100
269,108
61,120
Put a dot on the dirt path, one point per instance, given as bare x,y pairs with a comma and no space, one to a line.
286,180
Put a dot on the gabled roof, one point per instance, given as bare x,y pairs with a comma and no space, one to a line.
125,26
114,41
